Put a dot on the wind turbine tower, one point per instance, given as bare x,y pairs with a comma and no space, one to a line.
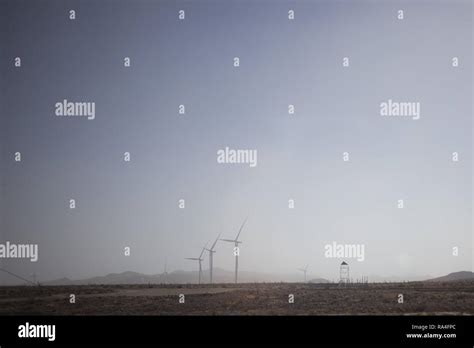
211,256
164,275
199,259
304,270
236,242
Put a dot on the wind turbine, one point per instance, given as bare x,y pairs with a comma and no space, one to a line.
304,270
211,255
199,259
236,242
164,275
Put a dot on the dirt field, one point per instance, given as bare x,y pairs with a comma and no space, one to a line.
453,298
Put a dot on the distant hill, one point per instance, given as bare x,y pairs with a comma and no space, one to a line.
61,281
318,281
223,276
183,277
456,276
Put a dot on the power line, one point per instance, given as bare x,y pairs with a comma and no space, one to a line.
17,276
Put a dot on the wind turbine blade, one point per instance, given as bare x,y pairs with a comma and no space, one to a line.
215,242
228,240
191,258
306,268
202,251
241,227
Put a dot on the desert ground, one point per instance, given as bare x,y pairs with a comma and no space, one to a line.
420,298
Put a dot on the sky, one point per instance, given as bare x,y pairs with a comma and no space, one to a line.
135,204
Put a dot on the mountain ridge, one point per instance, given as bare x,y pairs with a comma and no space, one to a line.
225,276
454,276
183,277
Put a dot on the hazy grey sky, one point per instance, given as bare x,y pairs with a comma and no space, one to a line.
283,62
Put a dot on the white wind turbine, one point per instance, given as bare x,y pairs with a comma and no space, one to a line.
236,250
304,270
199,259
211,256
164,275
